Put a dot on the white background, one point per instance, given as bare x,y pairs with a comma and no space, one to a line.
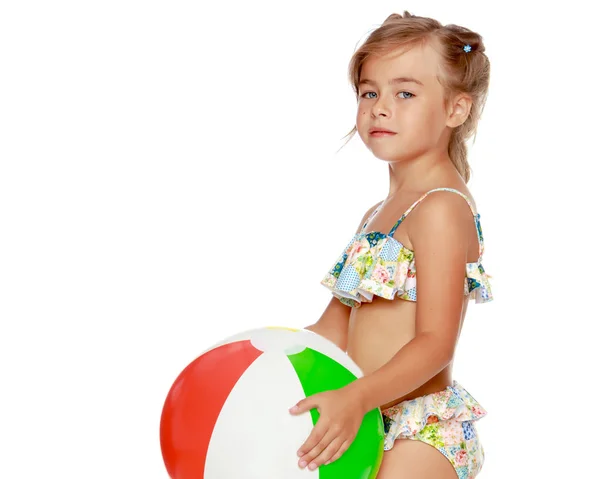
170,176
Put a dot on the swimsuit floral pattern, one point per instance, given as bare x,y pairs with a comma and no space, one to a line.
444,420
376,264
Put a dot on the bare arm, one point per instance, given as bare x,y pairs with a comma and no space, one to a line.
333,323
440,233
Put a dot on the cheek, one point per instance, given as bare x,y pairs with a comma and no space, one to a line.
426,120
362,117
435,116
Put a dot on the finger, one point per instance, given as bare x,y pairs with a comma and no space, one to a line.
327,453
316,436
344,447
319,447
305,404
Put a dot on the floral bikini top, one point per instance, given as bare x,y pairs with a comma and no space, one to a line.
375,263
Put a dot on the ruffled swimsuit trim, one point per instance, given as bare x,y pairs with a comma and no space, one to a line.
409,417
375,263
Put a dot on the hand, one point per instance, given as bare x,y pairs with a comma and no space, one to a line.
341,413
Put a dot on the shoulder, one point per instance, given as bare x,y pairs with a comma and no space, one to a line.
441,216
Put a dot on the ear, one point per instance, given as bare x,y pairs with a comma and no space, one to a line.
460,107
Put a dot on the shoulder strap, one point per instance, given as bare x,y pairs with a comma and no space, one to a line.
371,215
475,214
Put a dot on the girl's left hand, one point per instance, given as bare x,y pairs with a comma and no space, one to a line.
341,414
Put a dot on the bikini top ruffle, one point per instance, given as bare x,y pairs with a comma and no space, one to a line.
375,263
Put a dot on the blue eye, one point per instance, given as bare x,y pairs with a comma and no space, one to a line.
368,92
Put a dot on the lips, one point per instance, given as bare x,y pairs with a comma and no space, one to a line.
381,131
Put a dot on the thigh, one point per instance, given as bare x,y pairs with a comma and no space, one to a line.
413,459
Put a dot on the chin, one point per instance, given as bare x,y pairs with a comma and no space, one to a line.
388,158
388,154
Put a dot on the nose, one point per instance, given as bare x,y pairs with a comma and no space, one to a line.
381,108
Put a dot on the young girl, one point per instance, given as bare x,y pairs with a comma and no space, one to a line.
421,88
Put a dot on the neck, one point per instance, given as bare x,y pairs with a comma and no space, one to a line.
418,172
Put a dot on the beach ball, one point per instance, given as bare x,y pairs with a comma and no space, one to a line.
227,416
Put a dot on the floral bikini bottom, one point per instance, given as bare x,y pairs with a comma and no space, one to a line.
443,420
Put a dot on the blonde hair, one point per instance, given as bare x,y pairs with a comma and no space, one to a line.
462,72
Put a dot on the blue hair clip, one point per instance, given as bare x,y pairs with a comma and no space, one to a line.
467,48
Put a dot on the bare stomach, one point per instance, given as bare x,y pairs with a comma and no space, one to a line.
378,330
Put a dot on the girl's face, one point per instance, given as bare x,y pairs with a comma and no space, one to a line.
400,92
